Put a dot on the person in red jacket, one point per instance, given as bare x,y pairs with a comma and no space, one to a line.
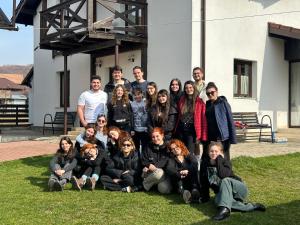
191,124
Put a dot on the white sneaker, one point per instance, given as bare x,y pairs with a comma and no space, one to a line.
187,196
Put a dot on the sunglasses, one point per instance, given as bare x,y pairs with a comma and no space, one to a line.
102,121
210,93
126,145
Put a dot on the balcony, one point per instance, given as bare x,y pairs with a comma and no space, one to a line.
93,26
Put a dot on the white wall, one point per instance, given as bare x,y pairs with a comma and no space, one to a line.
109,61
169,41
238,29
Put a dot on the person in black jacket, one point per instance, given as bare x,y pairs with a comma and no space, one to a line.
231,191
126,173
183,170
163,115
114,137
61,165
117,76
119,109
91,162
220,125
154,162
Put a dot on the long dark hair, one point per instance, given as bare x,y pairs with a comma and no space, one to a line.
179,84
151,99
61,153
162,110
187,106
92,139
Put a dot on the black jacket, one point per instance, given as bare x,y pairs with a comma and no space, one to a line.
120,115
122,163
101,162
168,126
224,169
109,87
219,117
155,154
175,166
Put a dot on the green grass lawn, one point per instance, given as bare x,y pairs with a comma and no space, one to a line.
273,181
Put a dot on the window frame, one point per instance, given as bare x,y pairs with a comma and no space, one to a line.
238,63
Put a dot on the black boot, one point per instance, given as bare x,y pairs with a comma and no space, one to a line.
259,207
222,214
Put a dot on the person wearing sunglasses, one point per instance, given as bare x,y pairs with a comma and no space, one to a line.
125,175
100,129
219,120
89,136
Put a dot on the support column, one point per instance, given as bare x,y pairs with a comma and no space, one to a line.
65,94
117,55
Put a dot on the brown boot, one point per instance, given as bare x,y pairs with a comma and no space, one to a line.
91,183
77,183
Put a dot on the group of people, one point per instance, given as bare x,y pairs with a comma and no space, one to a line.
138,137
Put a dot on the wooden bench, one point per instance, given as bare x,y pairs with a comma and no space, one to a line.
247,121
58,120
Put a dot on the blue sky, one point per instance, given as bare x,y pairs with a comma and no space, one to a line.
16,47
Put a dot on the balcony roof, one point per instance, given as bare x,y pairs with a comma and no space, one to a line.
283,32
26,10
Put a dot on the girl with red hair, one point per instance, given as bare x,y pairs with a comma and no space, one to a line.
154,161
182,168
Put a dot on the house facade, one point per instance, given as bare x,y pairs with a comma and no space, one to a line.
247,47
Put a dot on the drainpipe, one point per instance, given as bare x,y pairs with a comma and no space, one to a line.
202,27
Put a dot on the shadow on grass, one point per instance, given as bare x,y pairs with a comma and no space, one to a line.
287,213
40,182
37,161
207,209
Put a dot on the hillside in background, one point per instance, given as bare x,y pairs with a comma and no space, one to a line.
15,69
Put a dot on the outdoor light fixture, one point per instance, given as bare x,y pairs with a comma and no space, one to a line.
131,58
98,63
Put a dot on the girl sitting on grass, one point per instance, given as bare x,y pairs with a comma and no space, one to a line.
91,162
183,170
126,173
61,165
231,191
115,134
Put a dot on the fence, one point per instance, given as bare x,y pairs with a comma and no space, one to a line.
14,115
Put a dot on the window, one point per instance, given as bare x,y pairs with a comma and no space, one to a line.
242,78
61,74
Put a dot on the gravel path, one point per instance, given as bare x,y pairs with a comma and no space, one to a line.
23,149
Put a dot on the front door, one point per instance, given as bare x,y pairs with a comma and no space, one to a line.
294,106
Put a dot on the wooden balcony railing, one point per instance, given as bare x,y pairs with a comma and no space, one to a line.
76,23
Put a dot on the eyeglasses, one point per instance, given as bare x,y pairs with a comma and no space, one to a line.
210,93
174,149
101,121
126,145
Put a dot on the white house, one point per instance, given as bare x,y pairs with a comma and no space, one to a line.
249,48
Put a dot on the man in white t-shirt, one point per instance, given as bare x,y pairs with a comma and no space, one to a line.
92,103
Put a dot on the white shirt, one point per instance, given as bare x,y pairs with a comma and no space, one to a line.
94,104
